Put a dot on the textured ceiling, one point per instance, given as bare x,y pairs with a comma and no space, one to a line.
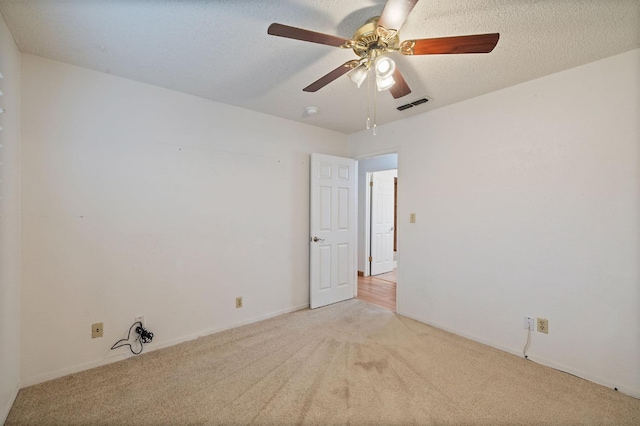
220,50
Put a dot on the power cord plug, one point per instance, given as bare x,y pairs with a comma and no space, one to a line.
144,336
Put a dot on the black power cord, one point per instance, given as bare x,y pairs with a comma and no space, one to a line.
144,336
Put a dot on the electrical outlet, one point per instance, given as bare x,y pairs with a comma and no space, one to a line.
412,218
543,325
96,330
529,323
139,319
239,302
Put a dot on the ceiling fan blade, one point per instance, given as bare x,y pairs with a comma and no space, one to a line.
476,43
323,81
305,35
400,88
395,12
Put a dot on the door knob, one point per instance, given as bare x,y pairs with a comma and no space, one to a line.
316,239
392,229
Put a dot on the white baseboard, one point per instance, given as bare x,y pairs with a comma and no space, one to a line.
590,377
512,351
540,360
215,330
108,359
111,357
5,410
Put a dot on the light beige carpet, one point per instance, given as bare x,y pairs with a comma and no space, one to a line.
349,363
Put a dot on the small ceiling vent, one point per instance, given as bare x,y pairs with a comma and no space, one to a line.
412,104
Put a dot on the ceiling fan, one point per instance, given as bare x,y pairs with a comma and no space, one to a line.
378,37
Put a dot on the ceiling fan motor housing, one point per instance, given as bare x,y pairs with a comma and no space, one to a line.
369,44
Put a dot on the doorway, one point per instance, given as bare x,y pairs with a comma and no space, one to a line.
377,230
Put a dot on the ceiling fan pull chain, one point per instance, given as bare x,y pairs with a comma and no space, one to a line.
375,111
368,100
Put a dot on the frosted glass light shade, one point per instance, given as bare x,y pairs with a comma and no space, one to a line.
385,68
358,75
384,83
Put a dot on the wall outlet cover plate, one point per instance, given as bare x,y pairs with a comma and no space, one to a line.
543,325
96,330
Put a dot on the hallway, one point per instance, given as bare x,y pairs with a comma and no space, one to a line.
379,290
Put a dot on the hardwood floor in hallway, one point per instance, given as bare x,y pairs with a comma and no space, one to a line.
379,290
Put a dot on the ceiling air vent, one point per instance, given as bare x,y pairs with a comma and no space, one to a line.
412,104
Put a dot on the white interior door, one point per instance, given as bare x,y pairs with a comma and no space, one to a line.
333,230
382,223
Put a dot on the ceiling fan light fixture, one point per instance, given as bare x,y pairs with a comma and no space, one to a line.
358,75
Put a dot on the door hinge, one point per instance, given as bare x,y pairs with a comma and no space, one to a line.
371,183
370,259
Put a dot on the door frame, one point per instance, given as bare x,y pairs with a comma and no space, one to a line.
363,203
399,232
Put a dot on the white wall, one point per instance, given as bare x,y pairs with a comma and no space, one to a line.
142,201
9,221
367,165
528,203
